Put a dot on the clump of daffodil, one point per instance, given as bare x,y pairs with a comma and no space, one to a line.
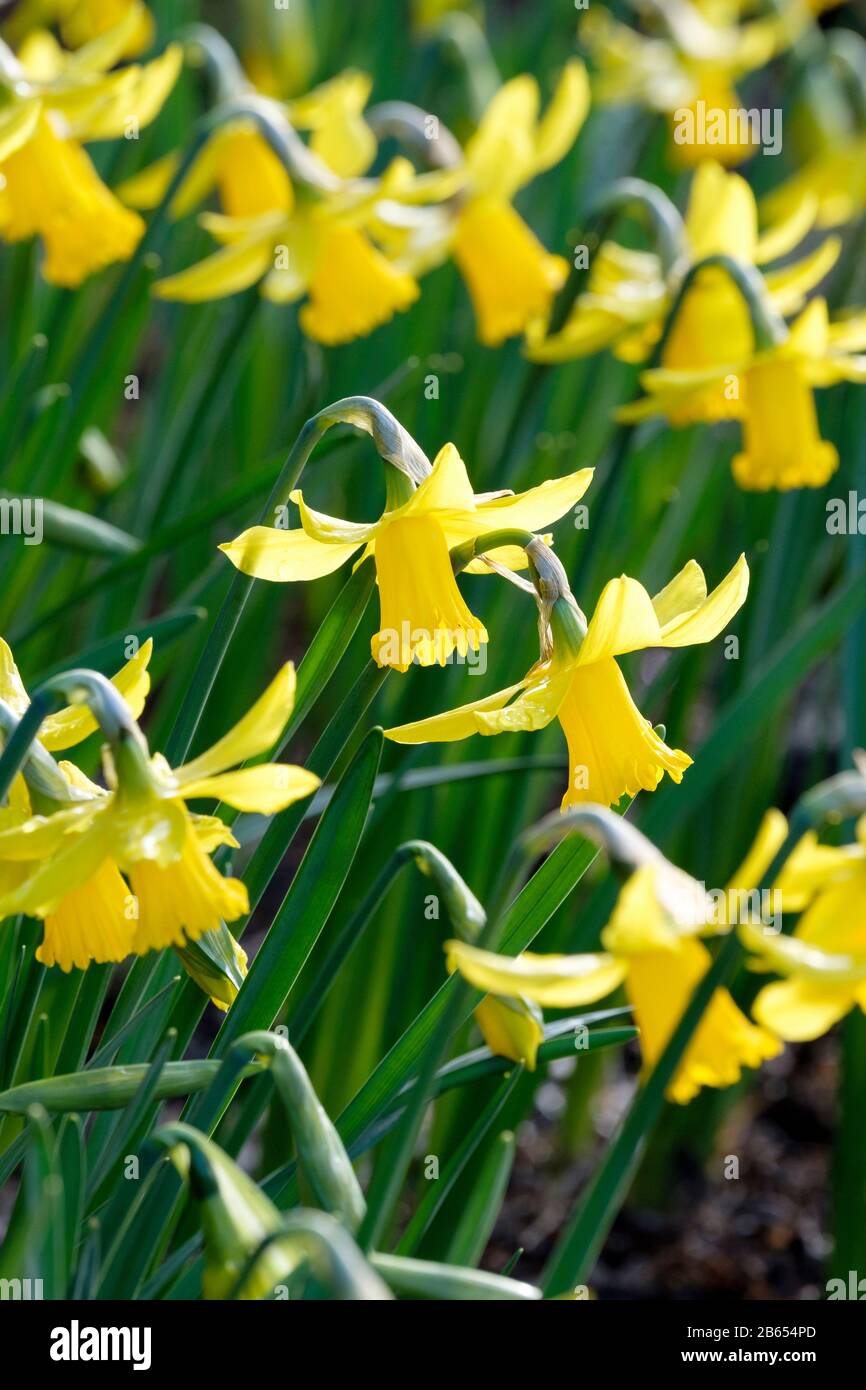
612,749
423,616
653,946
54,103
630,293
128,869
687,68
770,389
510,276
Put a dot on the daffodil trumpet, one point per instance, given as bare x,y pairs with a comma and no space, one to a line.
510,276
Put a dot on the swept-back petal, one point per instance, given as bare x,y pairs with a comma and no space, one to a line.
255,733
455,723
266,789
71,725
800,1010
267,552
712,615
561,982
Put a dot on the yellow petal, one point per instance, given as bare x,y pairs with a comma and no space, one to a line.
132,100
683,594
799,1010
226,272
147,188
722,217
566,112
767,843
74,861
624,621
12,689
781,238
454,724
561,982
511,1028
266,789
538,507
534,708
266,552
17,124
71,725
789,286
713,614
447,487
331,530
501,154
255,733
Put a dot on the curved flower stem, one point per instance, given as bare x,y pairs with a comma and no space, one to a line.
394,445
77,687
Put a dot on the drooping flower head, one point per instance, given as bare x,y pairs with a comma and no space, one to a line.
128,868
510,276
612,749
630,293
423,616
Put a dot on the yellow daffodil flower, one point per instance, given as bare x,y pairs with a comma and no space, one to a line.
688,68
771,392
319,248
141,828
612,749
423,615
651,945
58,100
510,276
629,296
